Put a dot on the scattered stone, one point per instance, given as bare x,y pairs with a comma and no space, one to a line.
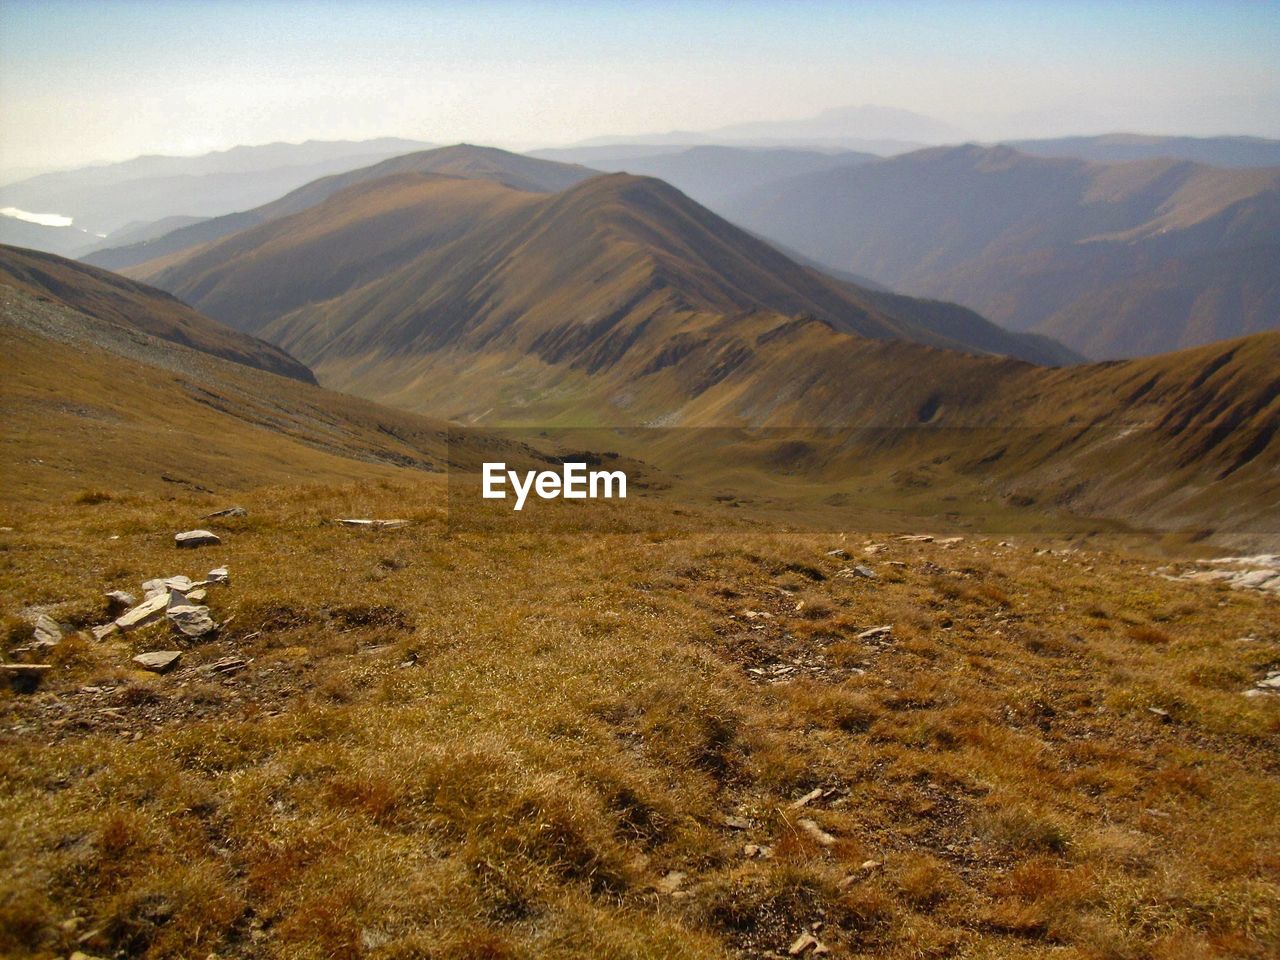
816,832
158,661
671,882
196,538
229,512
815,794
737,823
1162,714
915,538
848,573
24,677
197,595
107,629
48,631
876,633
152,587
868,865
118,601
841,554
227,665
950,541
806,943
372,524
145,612
220,576
192,621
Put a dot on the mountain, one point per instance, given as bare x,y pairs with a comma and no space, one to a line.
602,275
102,199
711,174
125,311
67,241
1120,147
462,160
1112,259
873,129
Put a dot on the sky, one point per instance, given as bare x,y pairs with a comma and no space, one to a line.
84,82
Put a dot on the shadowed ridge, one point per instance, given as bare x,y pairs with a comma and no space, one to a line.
135,306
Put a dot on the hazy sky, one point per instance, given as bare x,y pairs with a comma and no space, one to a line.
110,79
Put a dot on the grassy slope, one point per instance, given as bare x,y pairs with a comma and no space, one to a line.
86,413
518,258
452,741
477,745
132,306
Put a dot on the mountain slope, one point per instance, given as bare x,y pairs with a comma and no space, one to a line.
1081,251
123,308
613,266
462,160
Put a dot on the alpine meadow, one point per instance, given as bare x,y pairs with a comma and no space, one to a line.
637,481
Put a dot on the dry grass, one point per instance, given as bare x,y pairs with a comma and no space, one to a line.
475,745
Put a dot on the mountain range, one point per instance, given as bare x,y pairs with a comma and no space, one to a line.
1112,259
104,200
614,277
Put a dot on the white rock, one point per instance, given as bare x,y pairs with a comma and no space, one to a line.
372,524
158,661
48,631
219,575
144,613
192,621
196,538
816,832
876,633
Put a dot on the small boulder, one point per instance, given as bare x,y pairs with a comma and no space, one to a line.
876,633
147,611
48,631
158,661
192,621
196,538
219,575
228,512
816,832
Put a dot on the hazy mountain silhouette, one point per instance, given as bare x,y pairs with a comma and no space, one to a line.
1120,147
104,198
1113,259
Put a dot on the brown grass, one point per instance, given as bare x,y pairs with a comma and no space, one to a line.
473,745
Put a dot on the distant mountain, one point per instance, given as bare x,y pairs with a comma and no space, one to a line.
68,241
711,174
463,160
615,279
126,310
1120,147
1112,259
883,131
102,199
